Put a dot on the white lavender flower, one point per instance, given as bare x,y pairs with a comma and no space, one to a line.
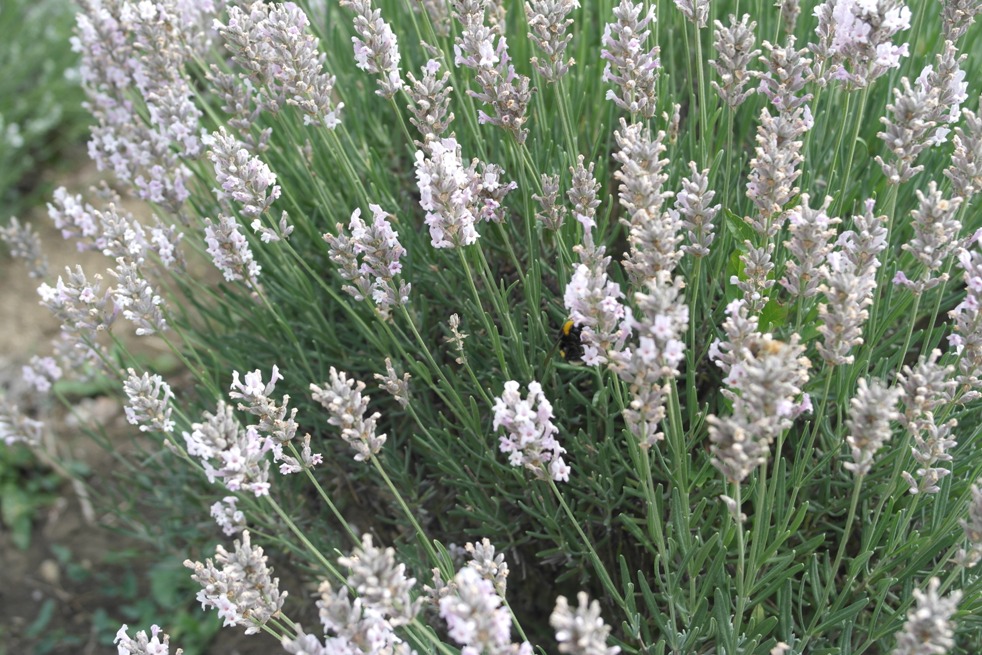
377,245
228,516
24,243
630,67
650,361
788,73
529,438
230,251
273,44
735,50
242,177
966,338
811,232
136,299
143,645
230,453
868,426
583,194
957,16
551,214
429,103
448,194
548,21
149,402
757,266
695,11
965,171
257,400
359,627
81,306
693,204
856,38
489,564
397,387
936,228
972,526
929,629
15,427
926,389
653,234
774,170
242,591
376,47
476,618
381,582
848,293
348,407
581,631
502,88
594,304
764,385
41,373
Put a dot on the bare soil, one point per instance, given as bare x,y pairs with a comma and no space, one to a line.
53,595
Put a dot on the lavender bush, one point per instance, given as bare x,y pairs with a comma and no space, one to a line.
763,435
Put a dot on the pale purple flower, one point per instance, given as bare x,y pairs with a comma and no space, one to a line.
551,213
243,590
594,303
489,563
966,338
381,582
965,171
83,308
936,229
137,299
651,359
484,49
811,232
957,16
41,373
257,399
653,234
359,626
583,194
630,65
243,178
695,11
775,169
693,204
529,438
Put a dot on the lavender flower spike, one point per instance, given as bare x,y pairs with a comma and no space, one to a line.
929,629
529,439
376,47
630,67
143,645
348,407
149,403
548,23
581,631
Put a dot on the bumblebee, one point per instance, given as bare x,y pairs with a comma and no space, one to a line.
570,345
